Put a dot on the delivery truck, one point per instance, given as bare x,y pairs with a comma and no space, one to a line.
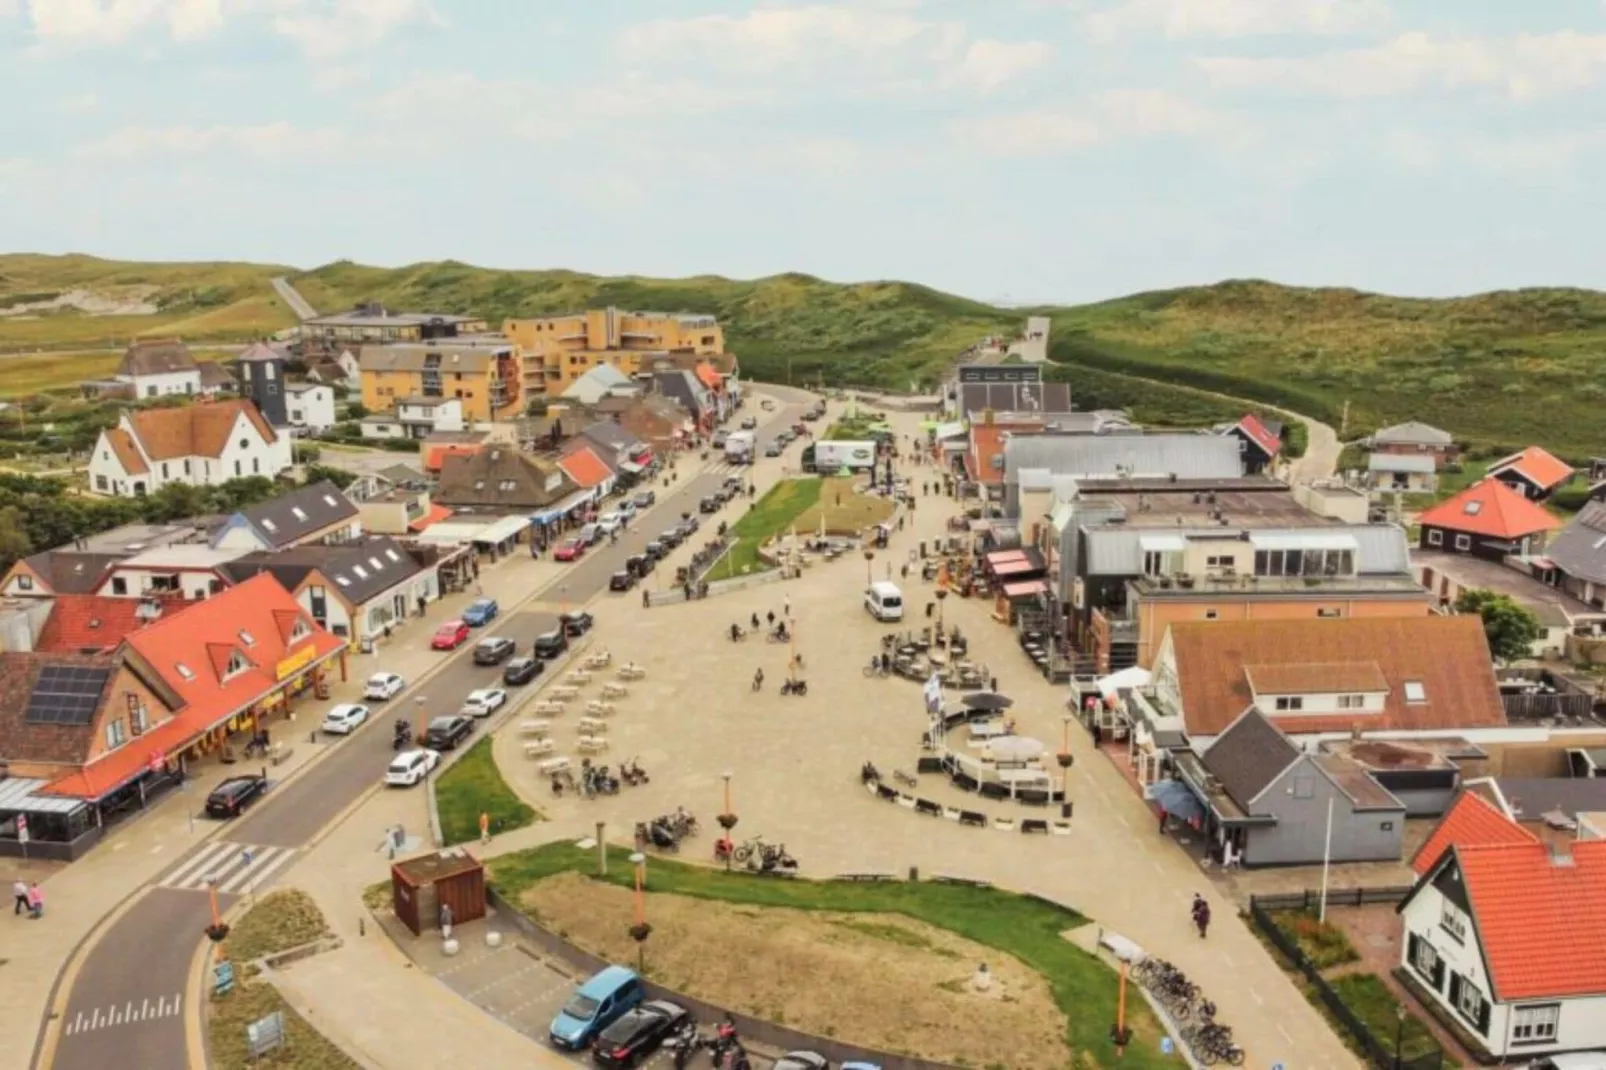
739,447
827,457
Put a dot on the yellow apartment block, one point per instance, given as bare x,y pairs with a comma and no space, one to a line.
485,373
560,349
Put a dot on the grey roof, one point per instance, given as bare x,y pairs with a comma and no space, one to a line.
215,374
289,517
359,570
1187,456
1530,798
72,571
455,356
1414,433
1553,607
1381,549
261,351
1580,548
501,478
611,437
156,357
1422,463
401,475
1248,756
1015,397
683,387
375,314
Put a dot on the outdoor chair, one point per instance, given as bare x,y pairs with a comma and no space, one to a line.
1031,826
994,791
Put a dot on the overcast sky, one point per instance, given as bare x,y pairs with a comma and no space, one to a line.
1030,150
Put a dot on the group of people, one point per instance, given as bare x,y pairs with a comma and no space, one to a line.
28,898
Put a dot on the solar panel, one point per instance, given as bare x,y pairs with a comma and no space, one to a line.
66,694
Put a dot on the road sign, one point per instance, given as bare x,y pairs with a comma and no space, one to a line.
265,1034
1167,1046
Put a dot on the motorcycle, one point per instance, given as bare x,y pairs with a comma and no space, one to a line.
403,736
656,834
724,1040
683,1045
633,774
594,780
794,687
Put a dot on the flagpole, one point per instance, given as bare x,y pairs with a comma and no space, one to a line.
1327,859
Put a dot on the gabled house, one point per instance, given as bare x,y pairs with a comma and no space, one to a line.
310,406
1504,935
93,624
655,420
1036,459
1408,473
586,470
1256,443
687,390
159,368
186,571
62,571
1534,473
1487,520
500,479
339,370
1578,555
200,445
416,417
316,513
358,591
1413,436
215,379
604,380
624,453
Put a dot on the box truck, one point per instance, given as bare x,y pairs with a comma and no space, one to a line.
827,457
739,447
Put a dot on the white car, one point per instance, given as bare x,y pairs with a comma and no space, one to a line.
383,685
483,702
411,766
627,509
344,718
608,523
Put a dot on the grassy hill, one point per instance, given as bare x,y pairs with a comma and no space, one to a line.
1501,369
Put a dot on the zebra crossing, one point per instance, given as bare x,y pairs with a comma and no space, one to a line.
237,868
129,1012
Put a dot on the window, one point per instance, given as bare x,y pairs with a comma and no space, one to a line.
362,574
1290,703
116,733
247,638
299,632
101,483
237,468
164,469
1212,614
1351,702
1453,921
256,466
186,466
1328,612
299,512
1435,537
119,585
184,670
269,525
237,665
138,716
1470,1002
1463,542
245,444
1535,1025
1223,561
24,583
1415,692
1386,826
1424,958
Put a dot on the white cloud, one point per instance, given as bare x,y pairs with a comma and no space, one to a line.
80,103
1044,132
1237,18
108,22
987,64
1105,117
1522,67
327,29
265,140
320,28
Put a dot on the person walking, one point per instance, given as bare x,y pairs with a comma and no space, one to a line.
1201,914
19,892
758,679
36,901
446,921
485,827
786,607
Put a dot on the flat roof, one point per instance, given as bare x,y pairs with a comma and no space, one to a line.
198,555
1158,503
1396,755
1553,607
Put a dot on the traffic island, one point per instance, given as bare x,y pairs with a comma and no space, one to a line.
474,786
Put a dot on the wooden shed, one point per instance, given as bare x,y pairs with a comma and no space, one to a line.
419,886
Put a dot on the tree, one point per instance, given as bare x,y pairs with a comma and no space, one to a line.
14,542
317,473
1511,629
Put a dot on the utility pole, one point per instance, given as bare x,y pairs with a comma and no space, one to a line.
1343,421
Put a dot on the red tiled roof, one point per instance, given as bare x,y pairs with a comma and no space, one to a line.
124,763
199,430
1541,920
1260,434
1471,821
1491,508
585,468
85,621
122,444
711,378
436,455
1448,656
1542,468
436,514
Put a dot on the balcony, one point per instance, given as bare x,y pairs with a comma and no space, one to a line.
1183,584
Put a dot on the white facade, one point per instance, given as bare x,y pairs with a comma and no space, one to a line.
415,421
311,405
165,570
164,384
243,454
1523,1029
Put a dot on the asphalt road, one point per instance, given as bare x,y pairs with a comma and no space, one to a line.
126,1001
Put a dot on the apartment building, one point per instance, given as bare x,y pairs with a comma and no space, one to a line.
484,373
560,349
372,322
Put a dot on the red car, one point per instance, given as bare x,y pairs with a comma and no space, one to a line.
450,636
569,550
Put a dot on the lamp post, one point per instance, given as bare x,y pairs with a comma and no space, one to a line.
727,820
218,931
869,566
1120,1035
1065,759
942,596
641,930
1399,1034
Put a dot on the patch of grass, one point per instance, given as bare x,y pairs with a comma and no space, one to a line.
772,514
305,1048
893,934
1370,1000
1324,944
474,786
279,921
1029,929
845,512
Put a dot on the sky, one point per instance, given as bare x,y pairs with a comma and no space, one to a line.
1011,150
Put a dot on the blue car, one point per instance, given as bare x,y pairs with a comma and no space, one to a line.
594,1006
480,612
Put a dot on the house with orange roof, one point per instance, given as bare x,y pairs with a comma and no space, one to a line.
1257,442
586,470
202,444
1534,473
1488,520
1504,935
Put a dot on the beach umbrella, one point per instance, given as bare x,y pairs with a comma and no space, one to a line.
987,700
1015,748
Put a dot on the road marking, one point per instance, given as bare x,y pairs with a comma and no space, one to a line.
1256,996
225,862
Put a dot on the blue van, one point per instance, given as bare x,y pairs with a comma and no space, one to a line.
594,1006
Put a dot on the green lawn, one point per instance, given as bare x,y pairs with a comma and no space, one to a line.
474,786
1369,998
305,1048
279,921
1029,929
774,513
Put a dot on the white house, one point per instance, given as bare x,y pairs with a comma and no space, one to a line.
602,381
415,418
311,405
1506,934
159,368
201,444
189,570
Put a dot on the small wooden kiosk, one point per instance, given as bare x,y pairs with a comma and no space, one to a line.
419,887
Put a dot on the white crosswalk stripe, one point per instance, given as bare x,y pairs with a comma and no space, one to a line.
236,867
129,1012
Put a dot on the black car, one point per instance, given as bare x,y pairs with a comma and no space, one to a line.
445,733
644,498
551,644
232,796
522,671
654,551
636,1034
493,651
773,449
622,581
671,538
578,622
734,484
710,504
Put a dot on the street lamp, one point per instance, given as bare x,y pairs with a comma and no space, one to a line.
869,573
1399,1034
727,820
218,931
942,596
1120,1035
640,930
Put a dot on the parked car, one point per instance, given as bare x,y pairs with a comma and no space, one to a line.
383,685
493,651
595,1006
802,1060
577,621
610,522
570,550
445,733
654,551
344,718
710,504
637,1033
689,525
627,510
232,796
644,499
622,581
719,439
484,701
590,534
521,671
450,636
750,423
774,448
636,565
411,766
481,612
551,644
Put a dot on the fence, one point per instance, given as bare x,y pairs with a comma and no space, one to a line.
1380,1055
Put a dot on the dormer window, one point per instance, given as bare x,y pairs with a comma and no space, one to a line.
299,631
237,665
247,638
184,670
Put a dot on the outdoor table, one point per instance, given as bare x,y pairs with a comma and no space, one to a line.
986,730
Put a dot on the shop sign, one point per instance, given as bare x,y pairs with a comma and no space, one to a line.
295,663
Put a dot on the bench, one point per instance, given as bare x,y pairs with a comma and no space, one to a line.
1034,826
614,690
886,793
991,790
971,817
631,672
279,752
534,728
578,677
553,765
593,744
929,765
592,726
539,747
908,780
926,806
598,660
563,694
598,708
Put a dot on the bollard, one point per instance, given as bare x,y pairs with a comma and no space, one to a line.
362,926
312,736
914,874
1065,810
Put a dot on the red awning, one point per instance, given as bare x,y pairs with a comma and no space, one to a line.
1015,568
1026,589
1003,556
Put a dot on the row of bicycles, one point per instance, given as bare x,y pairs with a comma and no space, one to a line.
1209,1040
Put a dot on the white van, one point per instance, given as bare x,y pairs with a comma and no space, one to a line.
884,601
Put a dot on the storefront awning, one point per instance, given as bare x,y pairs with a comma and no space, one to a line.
1022,567
550,516
1004,557
631,468
1025,590
20,794
1159,544
1302,541
503,529
575,501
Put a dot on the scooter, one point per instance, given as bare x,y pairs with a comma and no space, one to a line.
403,737
633,774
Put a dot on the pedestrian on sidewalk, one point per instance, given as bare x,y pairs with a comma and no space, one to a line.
485,827
19,892
786,607
446,921
36,901
1201,914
